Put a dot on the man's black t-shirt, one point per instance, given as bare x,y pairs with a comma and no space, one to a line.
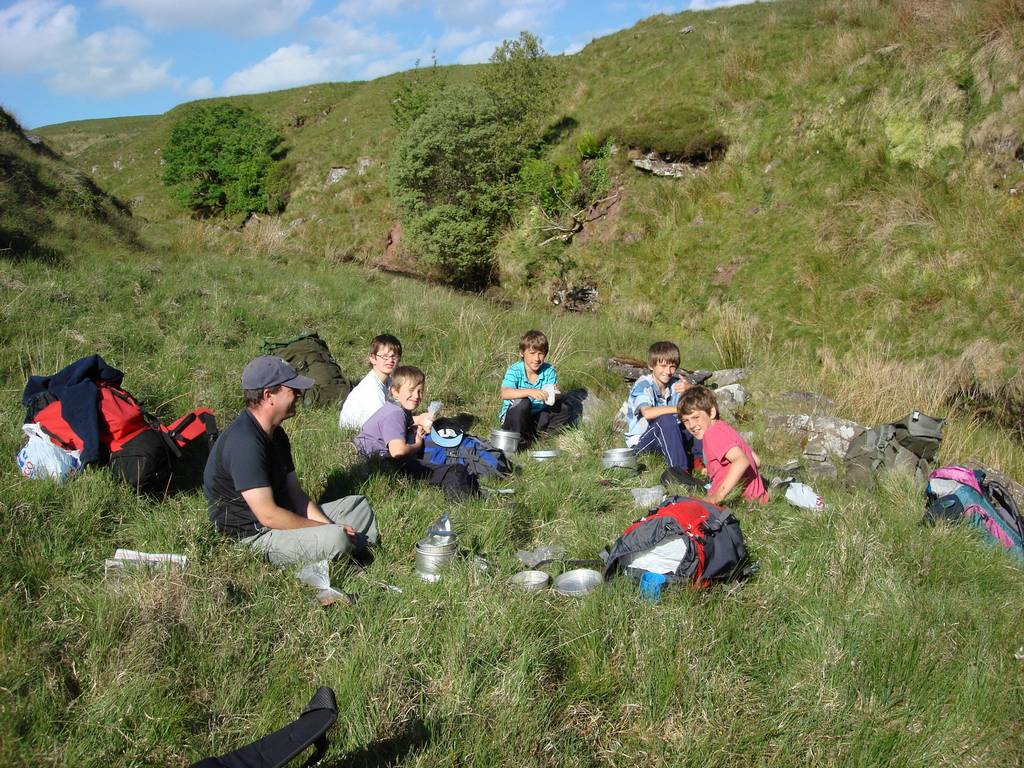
245,457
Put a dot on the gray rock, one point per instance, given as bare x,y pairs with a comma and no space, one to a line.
730,396
834,434
336,174
815,451
363,164
118,165
824,469
652,162
686,30
727,376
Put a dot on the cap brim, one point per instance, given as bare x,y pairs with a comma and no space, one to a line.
445,442
299,382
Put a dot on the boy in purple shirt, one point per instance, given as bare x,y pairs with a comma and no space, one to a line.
394,434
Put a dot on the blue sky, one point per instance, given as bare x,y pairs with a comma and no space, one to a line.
64,61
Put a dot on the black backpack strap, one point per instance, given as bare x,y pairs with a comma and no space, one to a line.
279,748
36,403
1001,495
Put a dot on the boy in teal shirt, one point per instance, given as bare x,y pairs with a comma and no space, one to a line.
530,392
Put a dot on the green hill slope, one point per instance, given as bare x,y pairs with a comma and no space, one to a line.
47,208
867,191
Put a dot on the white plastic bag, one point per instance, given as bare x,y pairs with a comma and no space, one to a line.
40,458
801,495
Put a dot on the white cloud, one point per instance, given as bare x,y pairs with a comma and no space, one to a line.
200,88
284,68
243,17
518,19
478,53
397,63
367,8
110,64
572,48
459,38
34,33
42,36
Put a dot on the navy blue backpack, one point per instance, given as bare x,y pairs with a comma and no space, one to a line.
480,457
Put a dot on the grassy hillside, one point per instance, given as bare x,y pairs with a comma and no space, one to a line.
47,208
870,166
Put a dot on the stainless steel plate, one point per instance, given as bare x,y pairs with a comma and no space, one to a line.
577,582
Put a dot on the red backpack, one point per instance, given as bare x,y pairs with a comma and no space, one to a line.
717,551
141,451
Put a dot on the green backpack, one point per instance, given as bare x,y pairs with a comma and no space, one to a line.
309,355
909,445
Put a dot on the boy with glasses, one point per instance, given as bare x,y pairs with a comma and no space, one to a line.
372,392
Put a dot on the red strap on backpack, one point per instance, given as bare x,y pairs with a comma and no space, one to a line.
192,425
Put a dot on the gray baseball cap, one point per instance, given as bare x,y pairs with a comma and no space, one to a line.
269,371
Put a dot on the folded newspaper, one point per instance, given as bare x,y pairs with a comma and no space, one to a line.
130,558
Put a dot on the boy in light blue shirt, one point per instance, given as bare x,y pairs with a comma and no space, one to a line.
653,424
531,405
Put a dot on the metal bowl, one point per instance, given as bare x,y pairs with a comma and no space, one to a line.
618,457
546,455
530,581
577,582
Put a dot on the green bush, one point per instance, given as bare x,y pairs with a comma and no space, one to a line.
588,146
449,176
415,92
682,132
279,185
456,162
218,160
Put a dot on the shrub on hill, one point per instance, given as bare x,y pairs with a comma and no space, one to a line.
454,166
681,133
448,173
219,159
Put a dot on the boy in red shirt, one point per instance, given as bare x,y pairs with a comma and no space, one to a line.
729,460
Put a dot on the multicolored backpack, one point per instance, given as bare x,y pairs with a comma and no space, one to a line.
715,552
958,493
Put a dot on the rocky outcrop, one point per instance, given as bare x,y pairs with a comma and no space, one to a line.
833,435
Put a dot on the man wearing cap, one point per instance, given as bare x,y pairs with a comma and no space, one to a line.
250,484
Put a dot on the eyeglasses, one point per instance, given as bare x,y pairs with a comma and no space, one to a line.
387,358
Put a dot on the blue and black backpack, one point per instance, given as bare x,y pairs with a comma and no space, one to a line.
448,444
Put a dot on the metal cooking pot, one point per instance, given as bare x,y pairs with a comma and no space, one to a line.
505,441
432,558
618,457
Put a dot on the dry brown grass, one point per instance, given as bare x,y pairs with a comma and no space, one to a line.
738,336
872,386
267,236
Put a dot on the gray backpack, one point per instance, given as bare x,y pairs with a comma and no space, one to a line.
909,445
